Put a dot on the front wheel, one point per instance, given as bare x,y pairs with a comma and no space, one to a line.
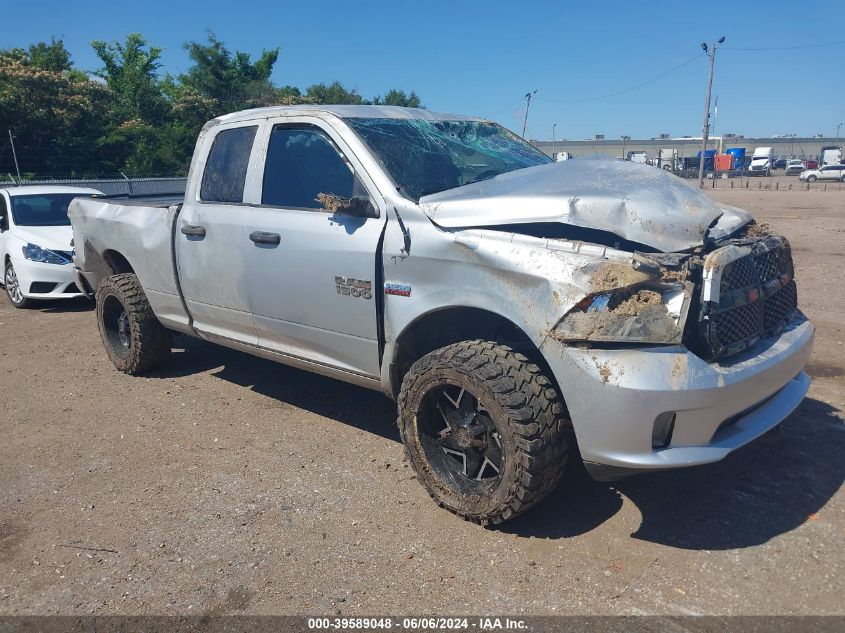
811,179
13,288
484,430
134,339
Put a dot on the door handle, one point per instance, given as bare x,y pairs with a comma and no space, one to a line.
261,237
193,230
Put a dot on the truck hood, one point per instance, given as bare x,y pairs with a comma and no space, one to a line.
55,238
638,203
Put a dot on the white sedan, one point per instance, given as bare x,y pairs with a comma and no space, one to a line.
35,243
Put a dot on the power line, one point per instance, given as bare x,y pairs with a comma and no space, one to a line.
785,48
513,105
639,85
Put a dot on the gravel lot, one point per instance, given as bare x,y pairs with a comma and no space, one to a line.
229,484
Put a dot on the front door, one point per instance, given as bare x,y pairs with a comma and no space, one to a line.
313,283
212,247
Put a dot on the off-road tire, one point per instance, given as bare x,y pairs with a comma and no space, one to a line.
524,406
149,343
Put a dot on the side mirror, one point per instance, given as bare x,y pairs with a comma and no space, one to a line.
358,206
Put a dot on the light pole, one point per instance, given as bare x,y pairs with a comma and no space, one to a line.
838,125
553,141
625,139
705,132
527,105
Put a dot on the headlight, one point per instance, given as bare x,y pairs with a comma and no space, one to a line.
43,255
649,313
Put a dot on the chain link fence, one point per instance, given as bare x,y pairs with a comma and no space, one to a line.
114,186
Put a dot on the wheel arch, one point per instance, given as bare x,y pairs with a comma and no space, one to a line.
451,324
117,262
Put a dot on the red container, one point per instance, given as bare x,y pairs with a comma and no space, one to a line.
724,162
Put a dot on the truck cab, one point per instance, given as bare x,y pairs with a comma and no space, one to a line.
762,161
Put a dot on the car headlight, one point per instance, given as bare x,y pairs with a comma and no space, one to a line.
647,313
43,255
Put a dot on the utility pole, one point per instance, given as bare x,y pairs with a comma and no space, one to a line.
705,132
553,141
15,156
527,105
625,139
838,125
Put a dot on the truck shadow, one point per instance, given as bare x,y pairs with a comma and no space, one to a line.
365,409
764,489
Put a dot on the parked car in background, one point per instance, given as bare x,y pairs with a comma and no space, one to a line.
811,163
780,163
795,167
828,172
35,243
511,304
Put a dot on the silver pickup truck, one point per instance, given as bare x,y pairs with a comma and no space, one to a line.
513,306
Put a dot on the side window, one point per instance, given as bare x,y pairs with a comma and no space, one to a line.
225,169
4,214
305,170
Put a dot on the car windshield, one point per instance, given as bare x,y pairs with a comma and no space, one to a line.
46,209
426,156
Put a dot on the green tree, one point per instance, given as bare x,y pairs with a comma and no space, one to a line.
55,113
50,55
131,69
233,81
398,98
334,93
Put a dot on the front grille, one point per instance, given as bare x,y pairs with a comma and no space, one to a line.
752,295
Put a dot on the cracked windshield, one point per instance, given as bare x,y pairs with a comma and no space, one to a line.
424,157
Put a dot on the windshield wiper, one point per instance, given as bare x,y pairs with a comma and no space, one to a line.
484,176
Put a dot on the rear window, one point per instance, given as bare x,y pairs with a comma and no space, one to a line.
225,169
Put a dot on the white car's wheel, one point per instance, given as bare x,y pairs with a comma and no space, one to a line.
13,288
811,179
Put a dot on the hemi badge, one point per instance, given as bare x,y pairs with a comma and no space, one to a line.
400,290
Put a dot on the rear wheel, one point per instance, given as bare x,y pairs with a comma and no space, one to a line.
134,339
484,429
13,288
811,179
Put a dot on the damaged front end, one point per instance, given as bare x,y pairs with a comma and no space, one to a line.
647,313
718,301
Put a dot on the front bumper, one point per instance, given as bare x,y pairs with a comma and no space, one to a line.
46,281
614,397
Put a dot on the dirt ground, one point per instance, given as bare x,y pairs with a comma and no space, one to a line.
228,484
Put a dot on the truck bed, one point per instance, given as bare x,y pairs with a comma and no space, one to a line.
114,235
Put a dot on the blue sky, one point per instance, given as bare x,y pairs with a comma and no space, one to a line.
482,57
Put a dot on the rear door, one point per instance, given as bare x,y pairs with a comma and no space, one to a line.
313,284
211,244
